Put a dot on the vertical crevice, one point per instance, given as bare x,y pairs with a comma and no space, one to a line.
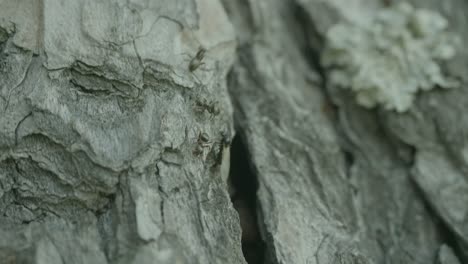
311,48
105,224
243,184
313,41
447,235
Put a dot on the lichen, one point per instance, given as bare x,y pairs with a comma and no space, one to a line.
387,60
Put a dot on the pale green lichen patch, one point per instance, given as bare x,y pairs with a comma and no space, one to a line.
388,60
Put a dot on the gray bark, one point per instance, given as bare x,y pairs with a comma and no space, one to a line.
206,131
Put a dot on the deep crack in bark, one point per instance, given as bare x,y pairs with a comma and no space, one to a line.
244,198
448,235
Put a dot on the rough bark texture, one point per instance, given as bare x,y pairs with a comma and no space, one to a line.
119,121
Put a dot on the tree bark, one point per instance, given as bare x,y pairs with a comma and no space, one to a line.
206,131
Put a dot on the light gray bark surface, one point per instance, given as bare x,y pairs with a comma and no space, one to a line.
115,140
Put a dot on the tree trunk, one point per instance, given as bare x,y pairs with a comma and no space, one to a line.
206,131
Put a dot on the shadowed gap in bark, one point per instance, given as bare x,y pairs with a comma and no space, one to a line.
312,39
448,237
244,198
